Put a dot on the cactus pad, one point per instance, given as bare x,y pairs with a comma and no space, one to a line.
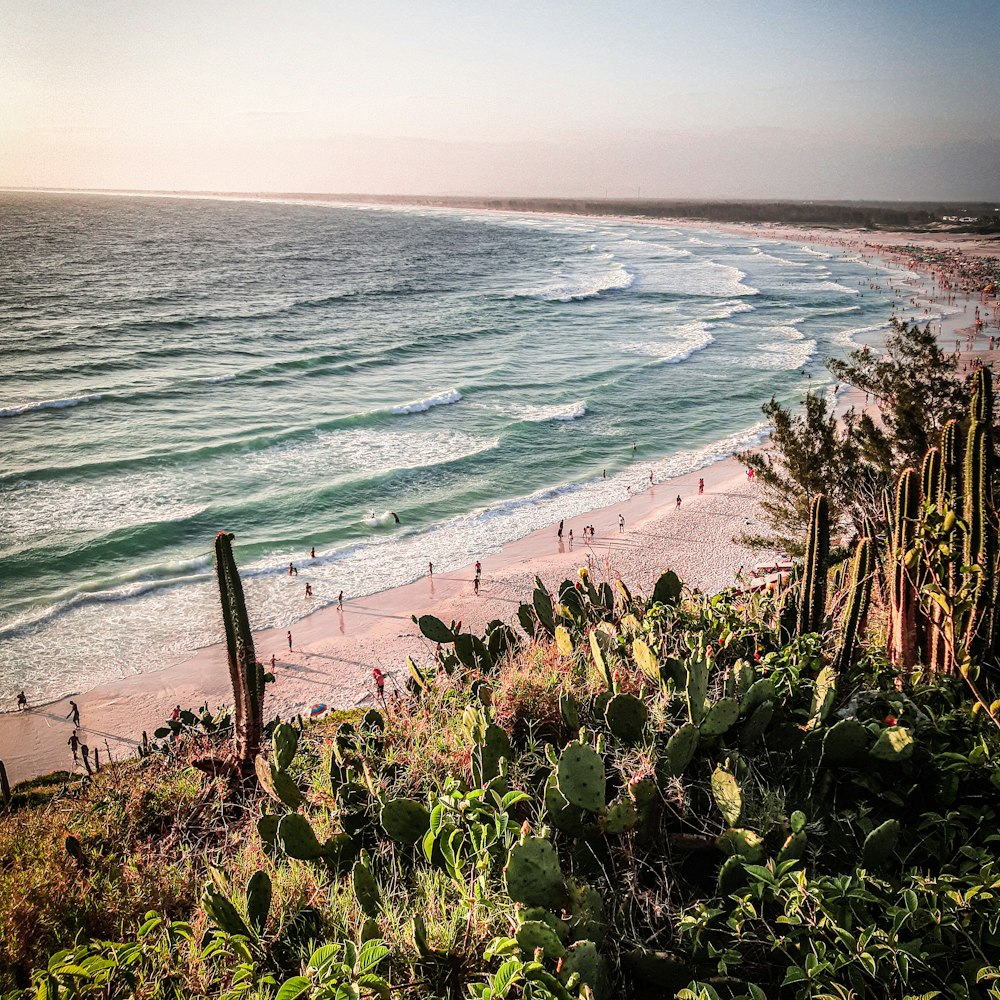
793,848
645,660
405,820
721,717
895,744
626,717
747,844
760,691
584,959
586,909
668,588
753,728
533,875
621,816
278,784
581,777
680,749
562,815
286,742
569,709
297,839
258,900
536,934
434,629
367,890
880,843
727,795
845,743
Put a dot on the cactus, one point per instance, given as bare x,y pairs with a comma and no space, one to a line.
720,717
621,816
278,784
366,890
760,691
584,960
259,893
563,816
951,467
753,728
679,750
812,595
487,754
245,673
793,848
434,629
745,843
857,603
980,535
586,909
569,710
824,693
4,785
982,396
600,660
732,876
534,935
581,779
297,840
880,843
698,668
645,660
75,850
564,642
626,717
286,742
894,744
542,603
533,875
902,592
727,795
223,913
267,830
668,588
405,820
930,474
845,743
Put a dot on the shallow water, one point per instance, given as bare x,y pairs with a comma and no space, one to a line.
173,367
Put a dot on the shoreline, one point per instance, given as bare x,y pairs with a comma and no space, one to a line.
334,652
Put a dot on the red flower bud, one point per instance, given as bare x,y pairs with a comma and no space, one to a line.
890,720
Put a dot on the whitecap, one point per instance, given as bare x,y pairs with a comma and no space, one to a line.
539,414
420,405
49,404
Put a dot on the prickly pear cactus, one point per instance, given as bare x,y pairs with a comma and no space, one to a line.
405,820
367,890
668,588
533,874
564,642
621,816
753,728
434,629
759,691
880,843
747,844
824,694
286,742
894,745
626,717
569,710
645,660
258,900
277,783
562,814
697,682
533,935
845,743
581,777
486,756
584,959
727,795
297,839
679,750
720,717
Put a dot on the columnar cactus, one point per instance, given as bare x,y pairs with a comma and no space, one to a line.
812,596
930,475
857,605
981,532
903,592
951,466
245,673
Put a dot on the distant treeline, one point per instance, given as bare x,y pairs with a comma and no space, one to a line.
859,215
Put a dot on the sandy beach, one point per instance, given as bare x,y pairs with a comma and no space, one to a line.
333,652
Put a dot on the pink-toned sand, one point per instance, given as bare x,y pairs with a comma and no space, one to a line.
333,652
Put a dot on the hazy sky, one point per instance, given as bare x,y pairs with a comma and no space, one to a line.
764,98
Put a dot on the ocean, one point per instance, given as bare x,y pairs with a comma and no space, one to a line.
173,367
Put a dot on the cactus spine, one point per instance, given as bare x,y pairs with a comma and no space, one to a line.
903,592
812,596
245,673
857,607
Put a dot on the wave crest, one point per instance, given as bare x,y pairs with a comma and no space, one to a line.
49,404
420,405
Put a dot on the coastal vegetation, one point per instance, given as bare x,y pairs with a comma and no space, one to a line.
790,792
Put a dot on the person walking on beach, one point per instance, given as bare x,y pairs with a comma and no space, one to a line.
22,702
379,680
340,601
273,660
175,715
479,567
701,485
74,714
678,501
430,569
571,539
650,477
621,523
604,473
309,590
559,532
289,635
475,585
74,744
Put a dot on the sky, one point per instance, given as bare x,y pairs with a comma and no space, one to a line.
654,98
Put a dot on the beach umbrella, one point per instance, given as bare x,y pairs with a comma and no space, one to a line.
316,710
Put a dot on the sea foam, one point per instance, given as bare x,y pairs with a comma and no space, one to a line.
48,404
420,405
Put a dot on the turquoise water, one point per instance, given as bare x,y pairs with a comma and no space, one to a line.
173,367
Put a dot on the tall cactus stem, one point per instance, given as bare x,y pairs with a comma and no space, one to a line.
245,673
857,605
902,593
812,596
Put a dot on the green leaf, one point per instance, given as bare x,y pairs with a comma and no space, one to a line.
293,988
372,952
506,976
